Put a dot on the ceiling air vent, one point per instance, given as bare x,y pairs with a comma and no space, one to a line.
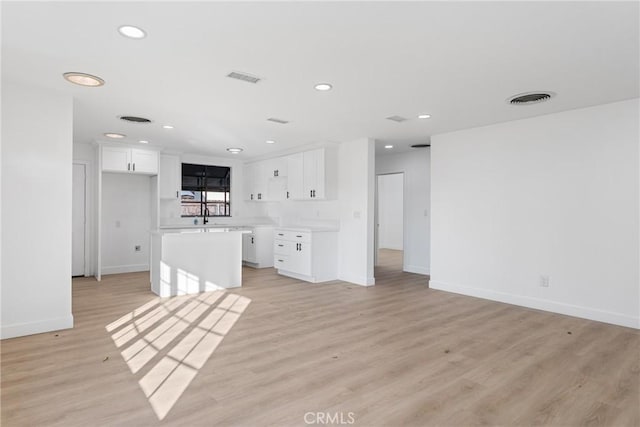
134,119
274,120
244,77
397,119
529,98
420,145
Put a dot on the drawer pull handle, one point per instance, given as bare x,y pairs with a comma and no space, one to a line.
299,236
281,245
280,234
280,260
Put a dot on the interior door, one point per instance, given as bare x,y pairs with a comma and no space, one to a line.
78,219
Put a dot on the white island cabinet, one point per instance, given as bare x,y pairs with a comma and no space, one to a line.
308,254
257,247
193,260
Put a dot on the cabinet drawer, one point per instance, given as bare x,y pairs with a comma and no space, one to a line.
280,262
293,236
282,247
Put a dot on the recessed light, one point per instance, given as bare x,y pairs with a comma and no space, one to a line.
388,146
323,86
167,127
234,150
132,32
424,116
114,135
270,141
83,79
142,141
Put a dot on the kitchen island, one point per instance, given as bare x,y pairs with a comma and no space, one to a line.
192,260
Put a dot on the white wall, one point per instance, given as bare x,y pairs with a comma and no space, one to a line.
416,166
126,222
554,195
390,211
36,210
356,187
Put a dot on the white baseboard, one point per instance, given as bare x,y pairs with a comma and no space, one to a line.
540,304
358,280
416,269
303,277
132,268
22,329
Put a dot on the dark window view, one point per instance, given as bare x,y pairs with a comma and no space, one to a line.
205,190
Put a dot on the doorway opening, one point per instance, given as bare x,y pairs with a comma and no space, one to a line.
79,220
389,231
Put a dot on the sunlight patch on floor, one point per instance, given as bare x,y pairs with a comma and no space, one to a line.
179,335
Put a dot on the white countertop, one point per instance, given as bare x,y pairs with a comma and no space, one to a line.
208,226
242,230
308,228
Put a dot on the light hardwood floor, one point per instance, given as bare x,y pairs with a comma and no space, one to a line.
396,354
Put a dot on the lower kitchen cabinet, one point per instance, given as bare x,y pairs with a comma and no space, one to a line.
306,254
257,247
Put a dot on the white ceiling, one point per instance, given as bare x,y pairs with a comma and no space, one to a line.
455,61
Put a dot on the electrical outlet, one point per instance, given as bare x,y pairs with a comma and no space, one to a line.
544,281
138,248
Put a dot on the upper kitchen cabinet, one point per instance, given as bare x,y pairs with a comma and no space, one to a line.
276,168
266,180
295,173
129,160
170,177
255,181
311,175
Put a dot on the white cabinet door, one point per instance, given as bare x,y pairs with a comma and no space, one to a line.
249,193
170,177
260,180
306,175
249,248
310,170
276,168
256,181
295,176
131,160
116,159
300,258
314,174
144,161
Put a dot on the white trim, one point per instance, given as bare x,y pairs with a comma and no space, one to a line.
22,329
358,280
416,269
302,277
131,268
541,304
88,217
98,227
